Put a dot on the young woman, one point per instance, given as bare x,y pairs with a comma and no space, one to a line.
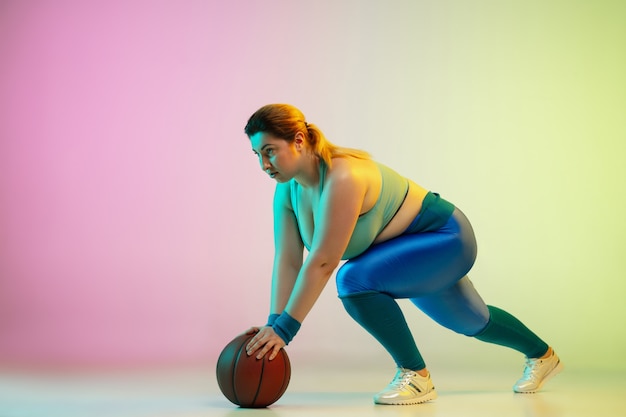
401,241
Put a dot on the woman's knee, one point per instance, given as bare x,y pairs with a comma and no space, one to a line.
351,279
459,308
466,236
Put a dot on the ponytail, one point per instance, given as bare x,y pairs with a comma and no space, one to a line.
284,121
326,150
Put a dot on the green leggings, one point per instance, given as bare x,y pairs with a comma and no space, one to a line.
381,316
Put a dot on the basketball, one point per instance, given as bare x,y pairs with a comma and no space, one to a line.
250,382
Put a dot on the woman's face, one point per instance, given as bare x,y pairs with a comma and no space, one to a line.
278,157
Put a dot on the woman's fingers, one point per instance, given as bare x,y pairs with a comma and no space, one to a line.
255,342
275,351
266,348
263,342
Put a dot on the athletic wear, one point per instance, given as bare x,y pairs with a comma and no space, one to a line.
381,316
407,387
286,327
369,225
537,372
430,269
413,265
433,215
505,329
427,264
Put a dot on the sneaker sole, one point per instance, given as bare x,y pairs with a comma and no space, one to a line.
558,368
428,397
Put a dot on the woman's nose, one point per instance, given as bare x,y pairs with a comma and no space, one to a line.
265,164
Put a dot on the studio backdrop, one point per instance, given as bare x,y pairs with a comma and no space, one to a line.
135,221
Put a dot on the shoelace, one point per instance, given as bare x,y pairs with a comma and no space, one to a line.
529,370
402,378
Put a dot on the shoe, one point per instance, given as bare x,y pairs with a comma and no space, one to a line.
537,372
407,387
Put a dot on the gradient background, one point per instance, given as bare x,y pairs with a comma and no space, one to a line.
135,224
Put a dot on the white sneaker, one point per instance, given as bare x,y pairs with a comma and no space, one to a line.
407,387
537,372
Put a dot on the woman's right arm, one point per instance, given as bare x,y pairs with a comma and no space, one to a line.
288,248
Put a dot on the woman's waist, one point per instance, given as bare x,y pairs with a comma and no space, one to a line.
433,215
405,215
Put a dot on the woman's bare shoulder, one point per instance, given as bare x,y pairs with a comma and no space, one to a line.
282,195
354,168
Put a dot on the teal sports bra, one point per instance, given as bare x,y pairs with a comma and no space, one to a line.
393,191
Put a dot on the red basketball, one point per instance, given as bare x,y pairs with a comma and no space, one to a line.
250,382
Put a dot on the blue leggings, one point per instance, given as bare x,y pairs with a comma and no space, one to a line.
427,268
430,269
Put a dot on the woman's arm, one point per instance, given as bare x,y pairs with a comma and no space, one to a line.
335,219
288,249
288,254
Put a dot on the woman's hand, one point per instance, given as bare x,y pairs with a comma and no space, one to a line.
265,340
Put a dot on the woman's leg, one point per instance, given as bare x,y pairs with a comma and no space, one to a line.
460,308
408,266
506,330
425,268
429,268
380,315
413,265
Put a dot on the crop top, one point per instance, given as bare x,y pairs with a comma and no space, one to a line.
393,191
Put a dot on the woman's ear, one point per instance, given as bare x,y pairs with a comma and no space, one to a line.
299,141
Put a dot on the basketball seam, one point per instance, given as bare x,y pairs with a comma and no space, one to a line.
234,369
258,390
285,381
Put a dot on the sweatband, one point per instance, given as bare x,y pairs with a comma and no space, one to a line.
286,327
272,319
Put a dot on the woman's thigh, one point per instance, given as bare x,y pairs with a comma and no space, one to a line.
413,265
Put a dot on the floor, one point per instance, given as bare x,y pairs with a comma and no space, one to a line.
313,391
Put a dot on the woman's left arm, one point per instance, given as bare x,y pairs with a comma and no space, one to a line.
335,219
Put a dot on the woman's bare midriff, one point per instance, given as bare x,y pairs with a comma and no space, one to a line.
406,213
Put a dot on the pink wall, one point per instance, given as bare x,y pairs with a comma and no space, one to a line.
120,157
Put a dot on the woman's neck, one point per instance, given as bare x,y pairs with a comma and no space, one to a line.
309,176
